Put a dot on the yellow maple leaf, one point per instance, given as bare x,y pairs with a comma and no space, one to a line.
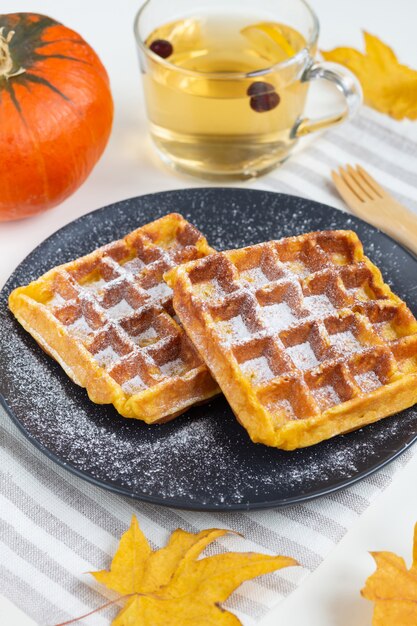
388,86
393,589
170,587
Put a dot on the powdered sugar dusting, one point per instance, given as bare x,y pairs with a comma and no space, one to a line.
134,385
159,292
106,357
297,267
94,287
209,289
277,316
254,278
233,330
79,328
302,356
326,397
358,293
368,381
134,266
345,342
258,370
319,306
148,336
286,407
119,310
173,368
56,301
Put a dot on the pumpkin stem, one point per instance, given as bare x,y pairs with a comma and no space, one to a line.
6,60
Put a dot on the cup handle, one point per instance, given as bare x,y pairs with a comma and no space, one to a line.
345,81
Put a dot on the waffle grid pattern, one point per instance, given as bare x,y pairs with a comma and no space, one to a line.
115,303
305,324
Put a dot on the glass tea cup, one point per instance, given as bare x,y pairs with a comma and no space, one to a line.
226,84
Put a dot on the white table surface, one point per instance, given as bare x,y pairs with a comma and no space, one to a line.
329,596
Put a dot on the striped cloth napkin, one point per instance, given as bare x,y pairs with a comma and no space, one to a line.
55,527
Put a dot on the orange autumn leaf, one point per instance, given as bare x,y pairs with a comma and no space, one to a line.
388,86
170,587
393,589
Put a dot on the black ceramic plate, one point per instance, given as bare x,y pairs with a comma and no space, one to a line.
203,459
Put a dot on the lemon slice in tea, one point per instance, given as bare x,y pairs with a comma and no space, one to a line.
275,42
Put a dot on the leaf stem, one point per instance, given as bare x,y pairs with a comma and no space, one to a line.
100,608
6,61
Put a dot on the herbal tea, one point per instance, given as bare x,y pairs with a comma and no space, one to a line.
224,94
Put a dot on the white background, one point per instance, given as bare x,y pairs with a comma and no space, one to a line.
330,596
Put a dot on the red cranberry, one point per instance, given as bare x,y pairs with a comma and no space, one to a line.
260,87
265,102
263,96
162,48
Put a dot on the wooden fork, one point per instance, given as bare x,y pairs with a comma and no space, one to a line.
369,201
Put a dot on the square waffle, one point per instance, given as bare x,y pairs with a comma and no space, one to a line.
107,318
303,336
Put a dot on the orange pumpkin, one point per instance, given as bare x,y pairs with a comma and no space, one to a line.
56,113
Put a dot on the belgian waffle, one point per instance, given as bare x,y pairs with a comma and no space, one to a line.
303,336
107,318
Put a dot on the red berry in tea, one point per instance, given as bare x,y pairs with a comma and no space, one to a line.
263,96
265,102
162,48
260,87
